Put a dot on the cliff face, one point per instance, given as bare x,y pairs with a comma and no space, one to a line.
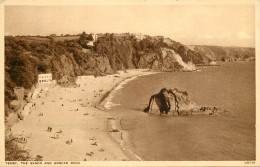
219,53
66,58
187,54
126,52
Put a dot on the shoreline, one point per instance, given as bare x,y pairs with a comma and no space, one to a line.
58,108
217,131
109,94
114,124
105,133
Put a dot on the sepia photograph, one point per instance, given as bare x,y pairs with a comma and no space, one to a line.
130,82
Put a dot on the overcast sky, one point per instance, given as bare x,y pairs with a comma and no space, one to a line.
225,25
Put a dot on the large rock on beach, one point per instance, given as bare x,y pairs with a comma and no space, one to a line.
187,107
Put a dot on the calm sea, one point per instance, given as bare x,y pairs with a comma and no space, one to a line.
227,137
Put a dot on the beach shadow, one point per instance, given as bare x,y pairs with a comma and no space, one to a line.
141,109
153,113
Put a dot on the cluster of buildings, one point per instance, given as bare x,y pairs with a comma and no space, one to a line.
139,36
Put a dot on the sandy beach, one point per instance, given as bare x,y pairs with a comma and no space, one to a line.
70,124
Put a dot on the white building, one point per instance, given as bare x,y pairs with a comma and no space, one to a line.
139,36
44,78
94,36
90,43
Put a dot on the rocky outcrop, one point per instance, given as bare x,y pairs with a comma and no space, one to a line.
186,53
187,107
172,60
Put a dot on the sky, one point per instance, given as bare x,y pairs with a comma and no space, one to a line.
222,25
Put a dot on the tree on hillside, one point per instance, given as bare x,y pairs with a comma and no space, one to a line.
83,37
90,37
83,40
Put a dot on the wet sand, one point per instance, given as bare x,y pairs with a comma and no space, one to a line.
81,130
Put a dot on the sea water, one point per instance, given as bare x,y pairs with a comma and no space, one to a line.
230,86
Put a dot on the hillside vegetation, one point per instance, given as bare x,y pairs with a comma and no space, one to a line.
69,56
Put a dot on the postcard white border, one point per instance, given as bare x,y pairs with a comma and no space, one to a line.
133,2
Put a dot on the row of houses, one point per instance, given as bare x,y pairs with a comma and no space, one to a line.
139,36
